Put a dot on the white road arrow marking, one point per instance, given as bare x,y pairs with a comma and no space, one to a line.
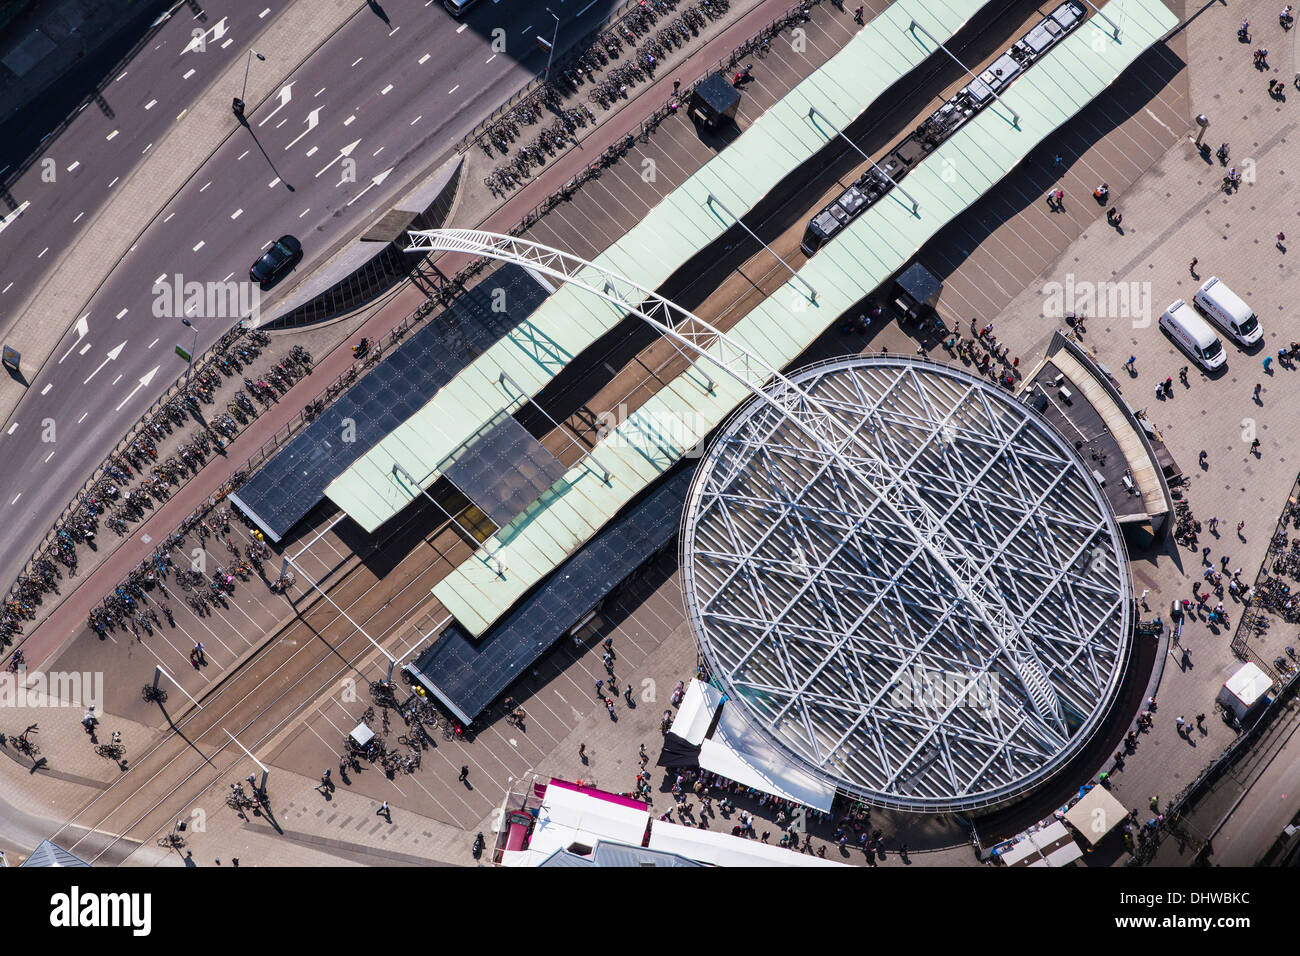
199,42
286,94
82,328
6,220
144,380
373,183
312,119
111,355
345,151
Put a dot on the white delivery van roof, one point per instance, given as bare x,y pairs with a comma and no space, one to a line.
1195,326
1226,299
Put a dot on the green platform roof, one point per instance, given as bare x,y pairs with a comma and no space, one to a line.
873,247
684,222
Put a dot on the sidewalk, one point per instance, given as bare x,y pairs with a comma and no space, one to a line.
70,616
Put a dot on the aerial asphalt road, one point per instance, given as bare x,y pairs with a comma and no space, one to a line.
389,93
107,138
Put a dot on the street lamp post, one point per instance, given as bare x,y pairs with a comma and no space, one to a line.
550,54
238,105
194,347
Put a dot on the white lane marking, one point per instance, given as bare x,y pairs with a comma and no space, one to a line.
73,166
525,30
82,418
377,180
46,389
12,428
462,28
313,151
189,73
6,288
16,497
153,343
169,217
491,58
43,251
120,78
273,183
304,212
200,41
84,349
285,94
386,90
424,59
115,381
226,44
78,219
236,214
242,155
146,149
110,135
111,356
122,313
394,30
199,246
48,457
6,220
151,104
417,119
158,281
114,182
205,185
587,7
264,13
350,120
181,115
377,152
318,92
357,60
453,89
227,278
313,119
144,380
345,151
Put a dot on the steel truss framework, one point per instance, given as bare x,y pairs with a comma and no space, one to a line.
877,480
858,653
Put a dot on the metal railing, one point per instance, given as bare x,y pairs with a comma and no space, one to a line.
755,44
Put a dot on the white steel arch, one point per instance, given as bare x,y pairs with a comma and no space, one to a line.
830,433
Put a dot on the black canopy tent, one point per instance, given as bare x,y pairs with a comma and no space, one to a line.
714,100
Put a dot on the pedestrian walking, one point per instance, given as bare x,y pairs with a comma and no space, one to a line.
1214,526
609,706
325,781
600,688
464,773
1060,199
1254,446
1240,525
857,16
383,810
1181,724
1268,362
1192,268
1131,364
1281,238
582,751
1155,803
1205,557
1258,389
1057,160
1143,599
1200,720
645,757
1182,375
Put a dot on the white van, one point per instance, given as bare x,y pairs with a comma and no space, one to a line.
1225,308
1194,335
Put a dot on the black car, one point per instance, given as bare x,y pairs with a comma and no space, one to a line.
284,254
